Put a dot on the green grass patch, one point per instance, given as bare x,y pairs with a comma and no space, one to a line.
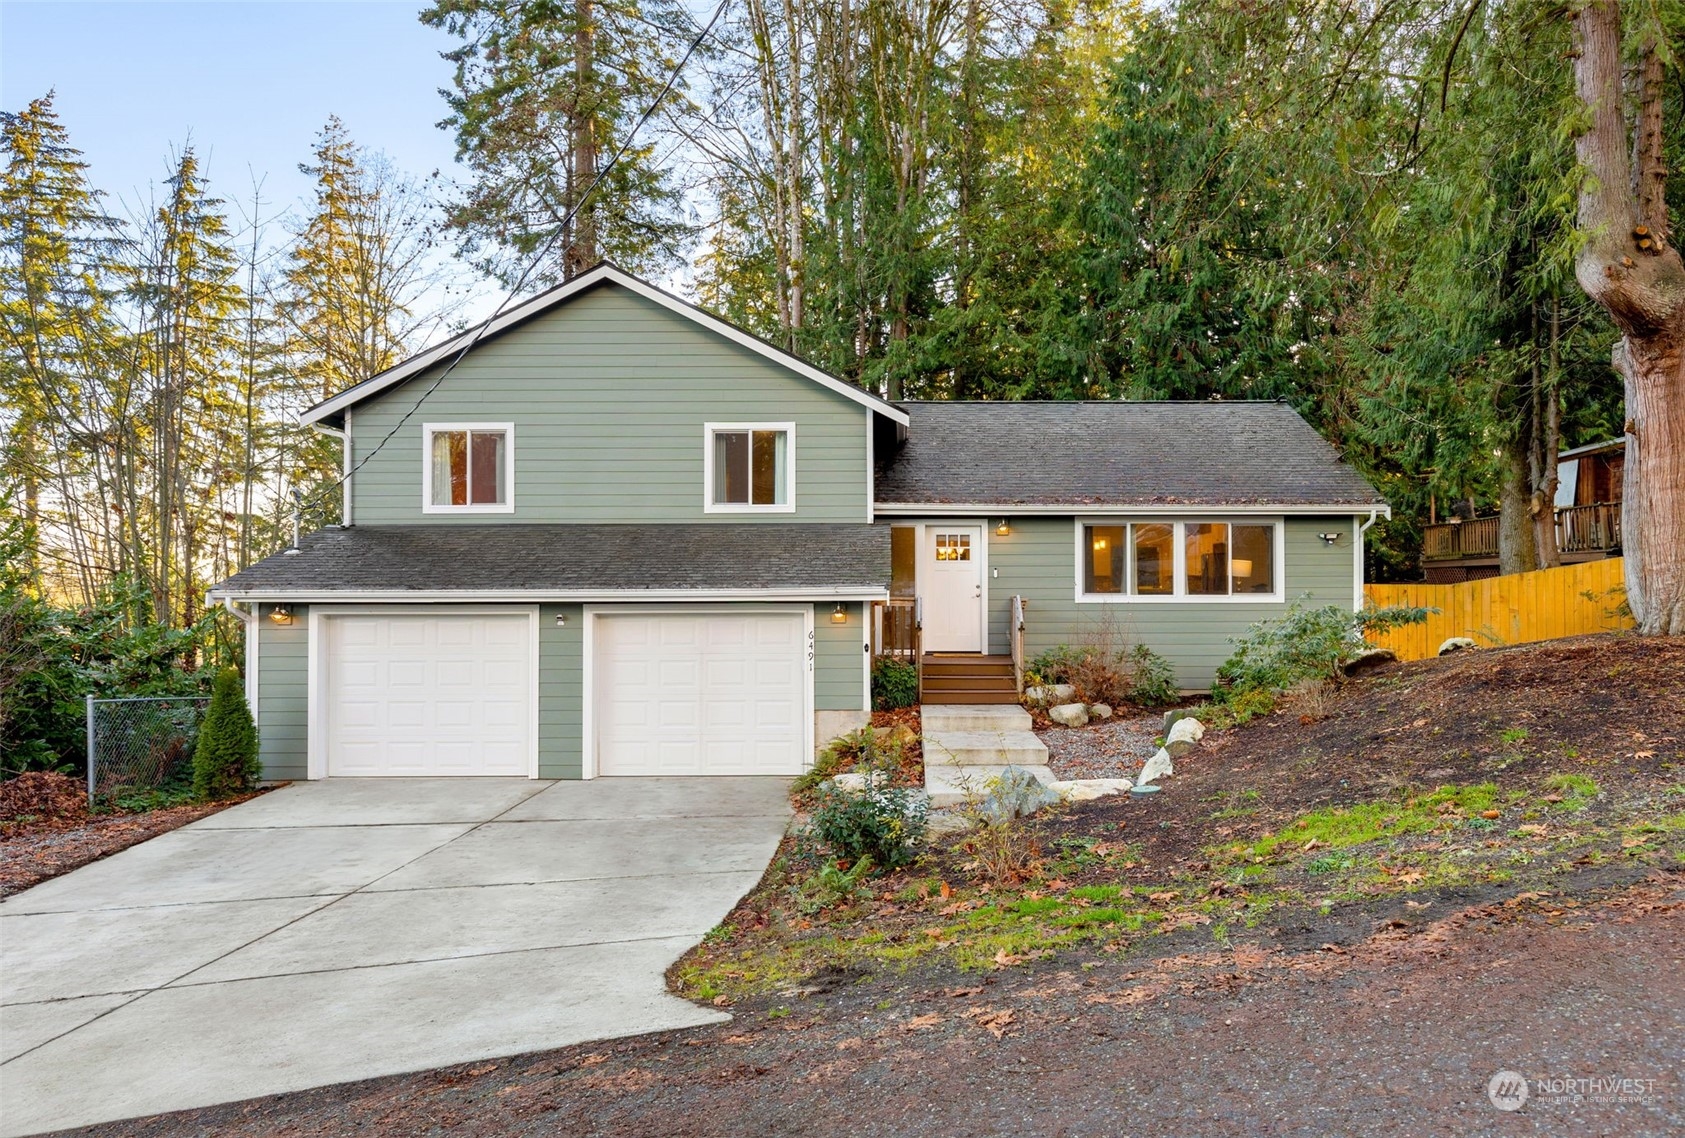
1346,826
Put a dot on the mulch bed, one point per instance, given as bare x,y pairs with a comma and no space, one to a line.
47,831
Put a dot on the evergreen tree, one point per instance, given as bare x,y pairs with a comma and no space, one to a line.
225,758
545,92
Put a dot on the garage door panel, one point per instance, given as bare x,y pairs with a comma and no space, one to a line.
729,693
428,695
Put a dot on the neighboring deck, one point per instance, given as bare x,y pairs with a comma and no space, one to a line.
1468,550
966,678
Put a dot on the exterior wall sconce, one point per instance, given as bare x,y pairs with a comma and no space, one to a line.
561,620
1003,529
1329,538
839,615
281,614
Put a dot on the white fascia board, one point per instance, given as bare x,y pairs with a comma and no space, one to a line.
439,353
530,596
1010,510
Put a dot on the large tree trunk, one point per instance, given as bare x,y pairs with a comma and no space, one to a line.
1628,265
583,144
1518,548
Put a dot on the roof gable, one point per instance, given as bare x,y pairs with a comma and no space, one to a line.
330,412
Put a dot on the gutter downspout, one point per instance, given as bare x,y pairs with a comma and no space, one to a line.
344,437
1360,600
249,621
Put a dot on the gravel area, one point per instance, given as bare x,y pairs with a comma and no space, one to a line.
1115,748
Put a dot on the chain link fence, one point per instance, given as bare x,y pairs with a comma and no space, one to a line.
141,746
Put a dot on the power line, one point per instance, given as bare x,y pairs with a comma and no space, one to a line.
538,258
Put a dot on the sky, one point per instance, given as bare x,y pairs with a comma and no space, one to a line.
249,82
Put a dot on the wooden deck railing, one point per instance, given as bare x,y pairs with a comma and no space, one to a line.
1016,632
1588,529
1579,529
895,629
1477,537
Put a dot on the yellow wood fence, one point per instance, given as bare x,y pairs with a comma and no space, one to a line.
1517,609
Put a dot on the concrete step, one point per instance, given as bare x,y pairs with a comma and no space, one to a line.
950,786
983,748
935,718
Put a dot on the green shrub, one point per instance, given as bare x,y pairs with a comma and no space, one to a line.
865,748
885,823
1304,644
1152,680
895,683
830,886
225,760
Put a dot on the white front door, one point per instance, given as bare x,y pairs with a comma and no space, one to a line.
428,695
951,585
700,693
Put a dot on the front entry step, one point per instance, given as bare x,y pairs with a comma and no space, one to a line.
972,717
966,745
967,679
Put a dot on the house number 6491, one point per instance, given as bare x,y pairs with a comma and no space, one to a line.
810,649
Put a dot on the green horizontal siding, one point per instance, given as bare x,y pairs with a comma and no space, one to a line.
283,660
838,660
561,685
1037,560
609,394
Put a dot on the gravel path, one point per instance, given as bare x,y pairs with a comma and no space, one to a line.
1113,749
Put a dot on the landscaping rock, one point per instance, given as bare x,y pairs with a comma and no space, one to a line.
900,735
1157,767
1016,793
1183,736
1054,693
1456,644
1069,715
1370,658
1088,789
941,823
1172,717
1099,711
856,782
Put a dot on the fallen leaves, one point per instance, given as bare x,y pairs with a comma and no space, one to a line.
996,1021
919,1023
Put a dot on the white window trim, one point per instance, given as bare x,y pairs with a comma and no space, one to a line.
1179,564
428,430
709,506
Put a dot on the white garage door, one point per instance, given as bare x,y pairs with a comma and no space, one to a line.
686,694
428,695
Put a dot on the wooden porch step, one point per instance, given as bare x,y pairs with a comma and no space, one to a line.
969,683
973,697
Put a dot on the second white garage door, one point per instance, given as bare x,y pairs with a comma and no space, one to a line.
700,693
428,695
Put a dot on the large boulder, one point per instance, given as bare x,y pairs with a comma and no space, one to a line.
1069,715
1157,767
1172,716
1049,694
1456,644
1183,736
1370,658
1099,711
1088,789
1016,793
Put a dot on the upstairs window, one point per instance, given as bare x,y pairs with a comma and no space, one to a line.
1178,560
467,468
748,467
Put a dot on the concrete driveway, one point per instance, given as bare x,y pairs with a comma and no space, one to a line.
349,928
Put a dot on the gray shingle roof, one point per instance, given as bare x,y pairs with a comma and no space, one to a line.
1118,453
572,559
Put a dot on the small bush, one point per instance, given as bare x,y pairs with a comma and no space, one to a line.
885,823
895,683
831,886
225,761
1152,680
1305,644
866,747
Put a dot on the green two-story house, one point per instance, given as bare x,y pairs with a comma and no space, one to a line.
617,535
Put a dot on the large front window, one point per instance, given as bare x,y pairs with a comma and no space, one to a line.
467,467
749,467
1178,559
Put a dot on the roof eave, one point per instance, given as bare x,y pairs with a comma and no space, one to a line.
1158,508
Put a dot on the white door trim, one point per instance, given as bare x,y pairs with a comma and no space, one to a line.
588,692
316,755
921,579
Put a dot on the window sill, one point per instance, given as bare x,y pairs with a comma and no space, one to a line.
1181,599
717,508
501,509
